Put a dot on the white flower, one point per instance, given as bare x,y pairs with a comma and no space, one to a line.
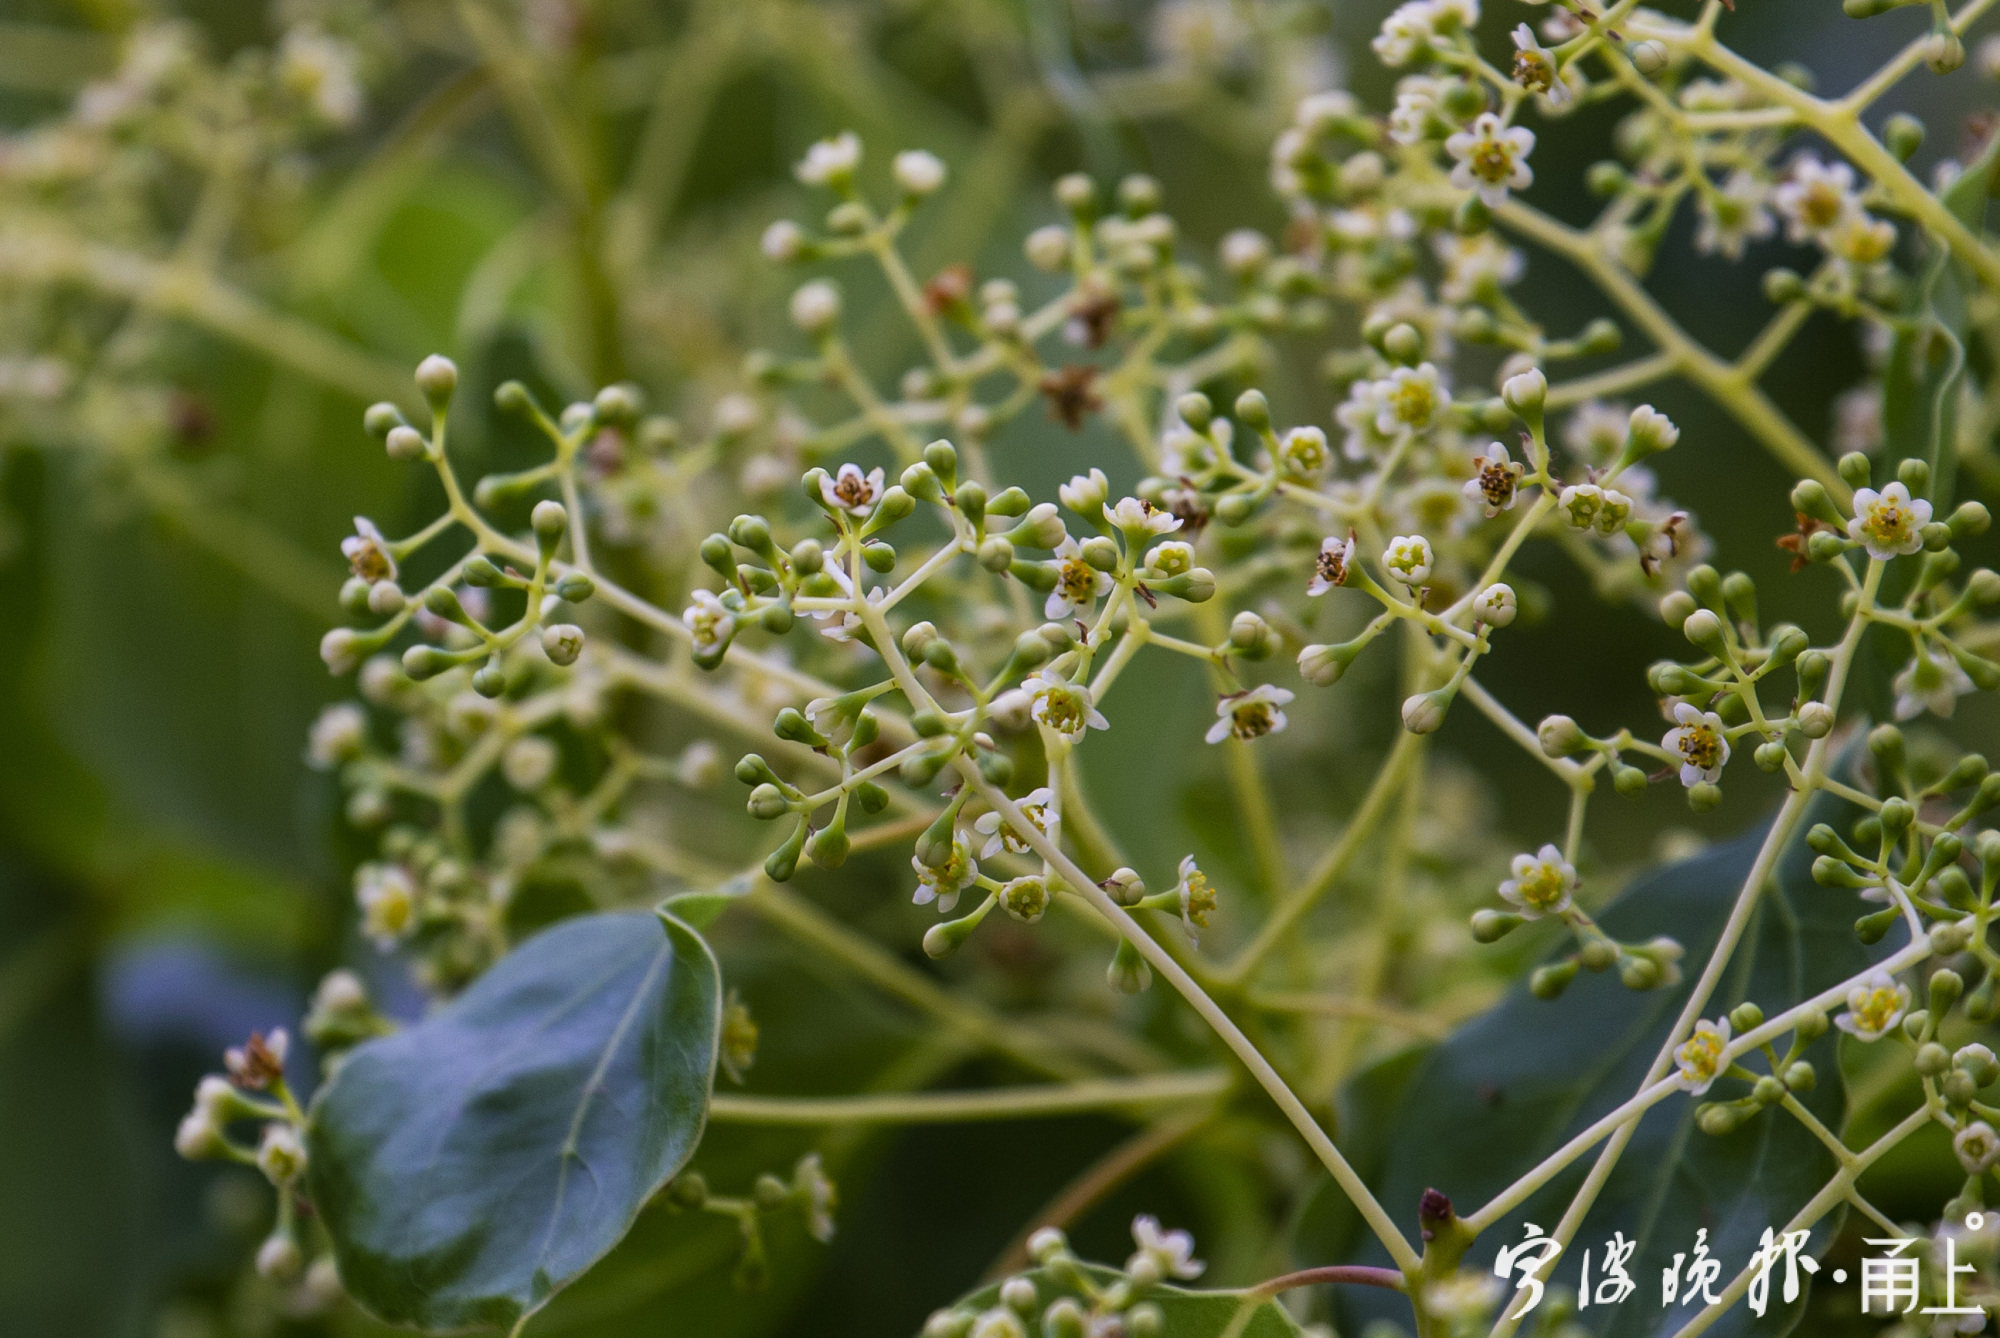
340,733
1734,216
322,70
1492,158
1889,522
1407,31
1476,267
1931,682
1064,707
1535,68
280,1153
1408,558
1543,883
852,491
1170,559
367,552
815,308
1250,715
1136,516
1815,197
1978,1147
1078,584
1025,898
1596,431
388,900
1700,1057
919,172
943,886
1170,1253
1416,106
1874,1007
1332,566
1496,605
1698,742
1303,454
709,622
830,160
1861,239
1038,807
1197,897
1496,477
782,242
1084,492
1412,398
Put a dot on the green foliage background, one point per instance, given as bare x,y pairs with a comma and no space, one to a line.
172,875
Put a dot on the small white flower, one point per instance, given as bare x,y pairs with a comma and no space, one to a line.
1700,1057
1408,558
1170,1253
1492,158
943,886
338,735
1476,267
1734,216
1303,454
1025,898
1416,108
1038,807
709,622
1874,1007
1170,559
1496,605
919,172
1407,31
1890,522
1410,398
1535,68
388,901
1250,715
1978,1147
1543,883
1078,584
1596,430
1861,239
1496,478
367,552
1333,566
782,242
1197,898
1699,742
852,491
1085,492
1651,430
1931,682
1064,707
281,1156
1814,197
1137,516
830,160
815,307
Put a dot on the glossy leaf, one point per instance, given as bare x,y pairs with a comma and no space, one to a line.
472,1165
1473,1113
1187,1313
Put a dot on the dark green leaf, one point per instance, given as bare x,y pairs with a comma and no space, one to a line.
472,1165
1475,1112
1188,1314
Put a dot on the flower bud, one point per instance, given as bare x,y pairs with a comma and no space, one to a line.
918,173
1125,887
1560,736
437,378
815,307
1525,392
1704,629
1496,605
278,1258
404,443
562,643
1424,712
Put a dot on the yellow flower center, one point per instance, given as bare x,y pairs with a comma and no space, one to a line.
1877,1010
1491,161
1888,523
1252,720
1077,580
1701,1056
1411,402
1701,747
1543,887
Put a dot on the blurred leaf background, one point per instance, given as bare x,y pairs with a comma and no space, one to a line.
572,191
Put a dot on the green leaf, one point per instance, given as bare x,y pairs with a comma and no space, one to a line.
1473,1113
699,910
471,1166
1188,1314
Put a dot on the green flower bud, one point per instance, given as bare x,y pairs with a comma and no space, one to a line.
1548,982
1490,926
1561,736
562,643
437,378
405,443
1629,780
1128,972
1716,1119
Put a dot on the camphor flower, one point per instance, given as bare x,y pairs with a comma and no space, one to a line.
944,885
1978,1147
1078,584
1535,69
1734,215
1250,715
341,732
1814,197
388,900
1496,605
1163,1254
1038,807
1698,741
1408,558
1410,398
1700,1057
709,622
1888,523
1496,477
1197,898
852,491
1064,707
1874,1007
918,171
1303,454
1025,898
367,552
1492,158
1543,883
830,161
1136,516
1933,682
1333,566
